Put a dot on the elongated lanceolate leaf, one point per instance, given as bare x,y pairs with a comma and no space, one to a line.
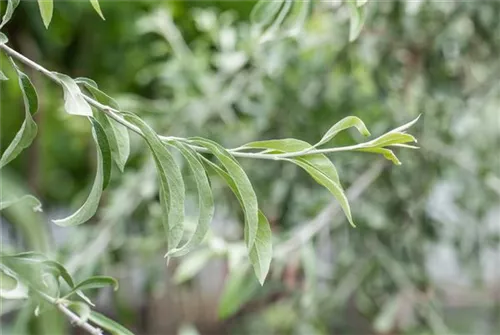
172,192
387,153
117,134
3,76
74,102
205,201
97,8
6,202
345,123
94,282
392,138
27,133
108,324
358,17
243,186
264,11
261,252
46,10
89,208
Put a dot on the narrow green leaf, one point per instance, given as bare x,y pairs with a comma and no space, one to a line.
345,123
89,208
205,201
80,308
261,252
275,27
34,202
108,324
27,133
3,76
243,186
3,38
388,154
391,138
46,9
59,271
117,134
406,126
11,6
95,4
358,17
264,11
74,102
94,282
295,21
172,191
239,288
103,143
192,265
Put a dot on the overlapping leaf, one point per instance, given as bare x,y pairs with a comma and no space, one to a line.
242,184
27,133
108,324
171,183
205,200
89,208
74,101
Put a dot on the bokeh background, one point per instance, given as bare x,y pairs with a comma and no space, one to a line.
425,257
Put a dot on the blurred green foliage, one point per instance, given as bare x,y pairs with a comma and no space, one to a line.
425,256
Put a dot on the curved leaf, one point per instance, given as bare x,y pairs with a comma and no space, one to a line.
11,6
46,10
345,123
171,182
74,102
35,203
264,11
108,324
242,184
94,282
89,208
205,201
10,286
27,133
358,17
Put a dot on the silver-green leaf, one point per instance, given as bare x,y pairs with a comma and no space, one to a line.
74,102
27,133
6,201
89,208
108,324
358,17
264,11
345,123
94,282
11,6
205,201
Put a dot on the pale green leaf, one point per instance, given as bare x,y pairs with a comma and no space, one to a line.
89,208
59,271
11,6
95,4
27,133
10,286
345,123
264,11
74,102
406,126
192,265
391,138
31,200
272,32
117,134
239,288
360,3
3,38
3,76
46,10
172,192
262,251
103,143
387,153
205,201
81,309
243,186
108,324
94,282
296,20
358,17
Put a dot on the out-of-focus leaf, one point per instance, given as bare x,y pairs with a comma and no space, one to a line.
205,201
239,288
61,271
108,324
88,209
3,38
264,11
3,76
358,17
95,4
10,286
11,7
80,308
387,318
34,202
103,143
360,3
261,252
46,10
74,102
298,16
243,186
273,30
27,133
192,264
117,134
171,182
345,123
94,282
